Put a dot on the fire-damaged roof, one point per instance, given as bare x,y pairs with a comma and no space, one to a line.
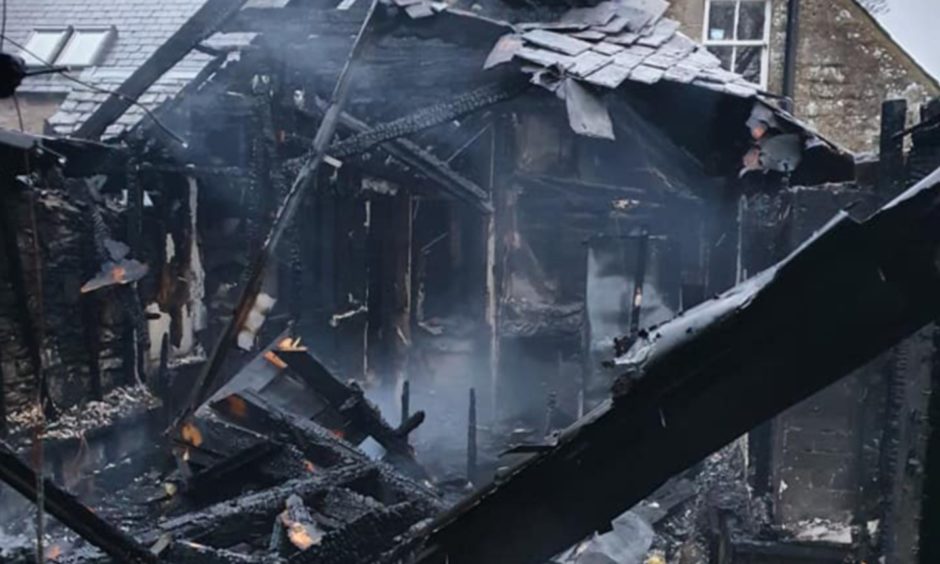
587,51
140,27
613,52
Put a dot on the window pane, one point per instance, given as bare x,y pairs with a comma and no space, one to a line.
751,20
42,47
748,63
721,20
83,48
724,53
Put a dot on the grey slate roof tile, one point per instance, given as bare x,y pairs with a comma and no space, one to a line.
142,26
610,76
625,40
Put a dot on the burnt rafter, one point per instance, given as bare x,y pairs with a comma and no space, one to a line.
425,118
422,161
870,284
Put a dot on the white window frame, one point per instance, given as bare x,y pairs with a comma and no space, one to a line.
110,32
763,43
66,33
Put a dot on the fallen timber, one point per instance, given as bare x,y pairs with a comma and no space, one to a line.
71,512
317,444
694,384
351,402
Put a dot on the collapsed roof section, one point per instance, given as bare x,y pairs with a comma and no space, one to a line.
429,50
617,44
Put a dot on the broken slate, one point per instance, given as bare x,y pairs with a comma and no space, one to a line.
557,42
587,112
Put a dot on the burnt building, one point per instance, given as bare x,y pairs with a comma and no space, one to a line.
514,197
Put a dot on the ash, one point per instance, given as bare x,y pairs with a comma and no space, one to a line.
81,419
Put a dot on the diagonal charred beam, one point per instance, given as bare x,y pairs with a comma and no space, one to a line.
437,114
352,403
438,171
867,285
67,509
200,26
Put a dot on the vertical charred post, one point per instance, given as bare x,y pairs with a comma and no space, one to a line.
472,436
14,262
136,339
930,509
503,153
891,147
638,280
3,398
405,401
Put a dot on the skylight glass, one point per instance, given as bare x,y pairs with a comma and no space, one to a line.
43,46
85,47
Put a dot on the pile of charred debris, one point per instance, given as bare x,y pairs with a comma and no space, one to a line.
268,469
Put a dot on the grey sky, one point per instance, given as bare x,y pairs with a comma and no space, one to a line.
914,24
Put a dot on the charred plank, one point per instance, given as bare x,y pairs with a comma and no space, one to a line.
232,521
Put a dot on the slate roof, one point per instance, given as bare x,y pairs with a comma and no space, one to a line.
616,41
142,26
594,48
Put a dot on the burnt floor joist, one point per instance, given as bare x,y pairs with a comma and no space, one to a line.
692,385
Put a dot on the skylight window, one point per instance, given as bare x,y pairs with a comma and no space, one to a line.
85,47
43,46
67,47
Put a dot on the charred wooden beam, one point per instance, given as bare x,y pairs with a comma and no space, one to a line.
231,467
438,171
186,552
851,292
639,279
199,27
405,402
233,521
410,425
302,19
891,147
350,401
322,447
316,443
437,114
472,437
366,538
71,512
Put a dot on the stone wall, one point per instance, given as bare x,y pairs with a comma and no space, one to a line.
846,66
36,108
